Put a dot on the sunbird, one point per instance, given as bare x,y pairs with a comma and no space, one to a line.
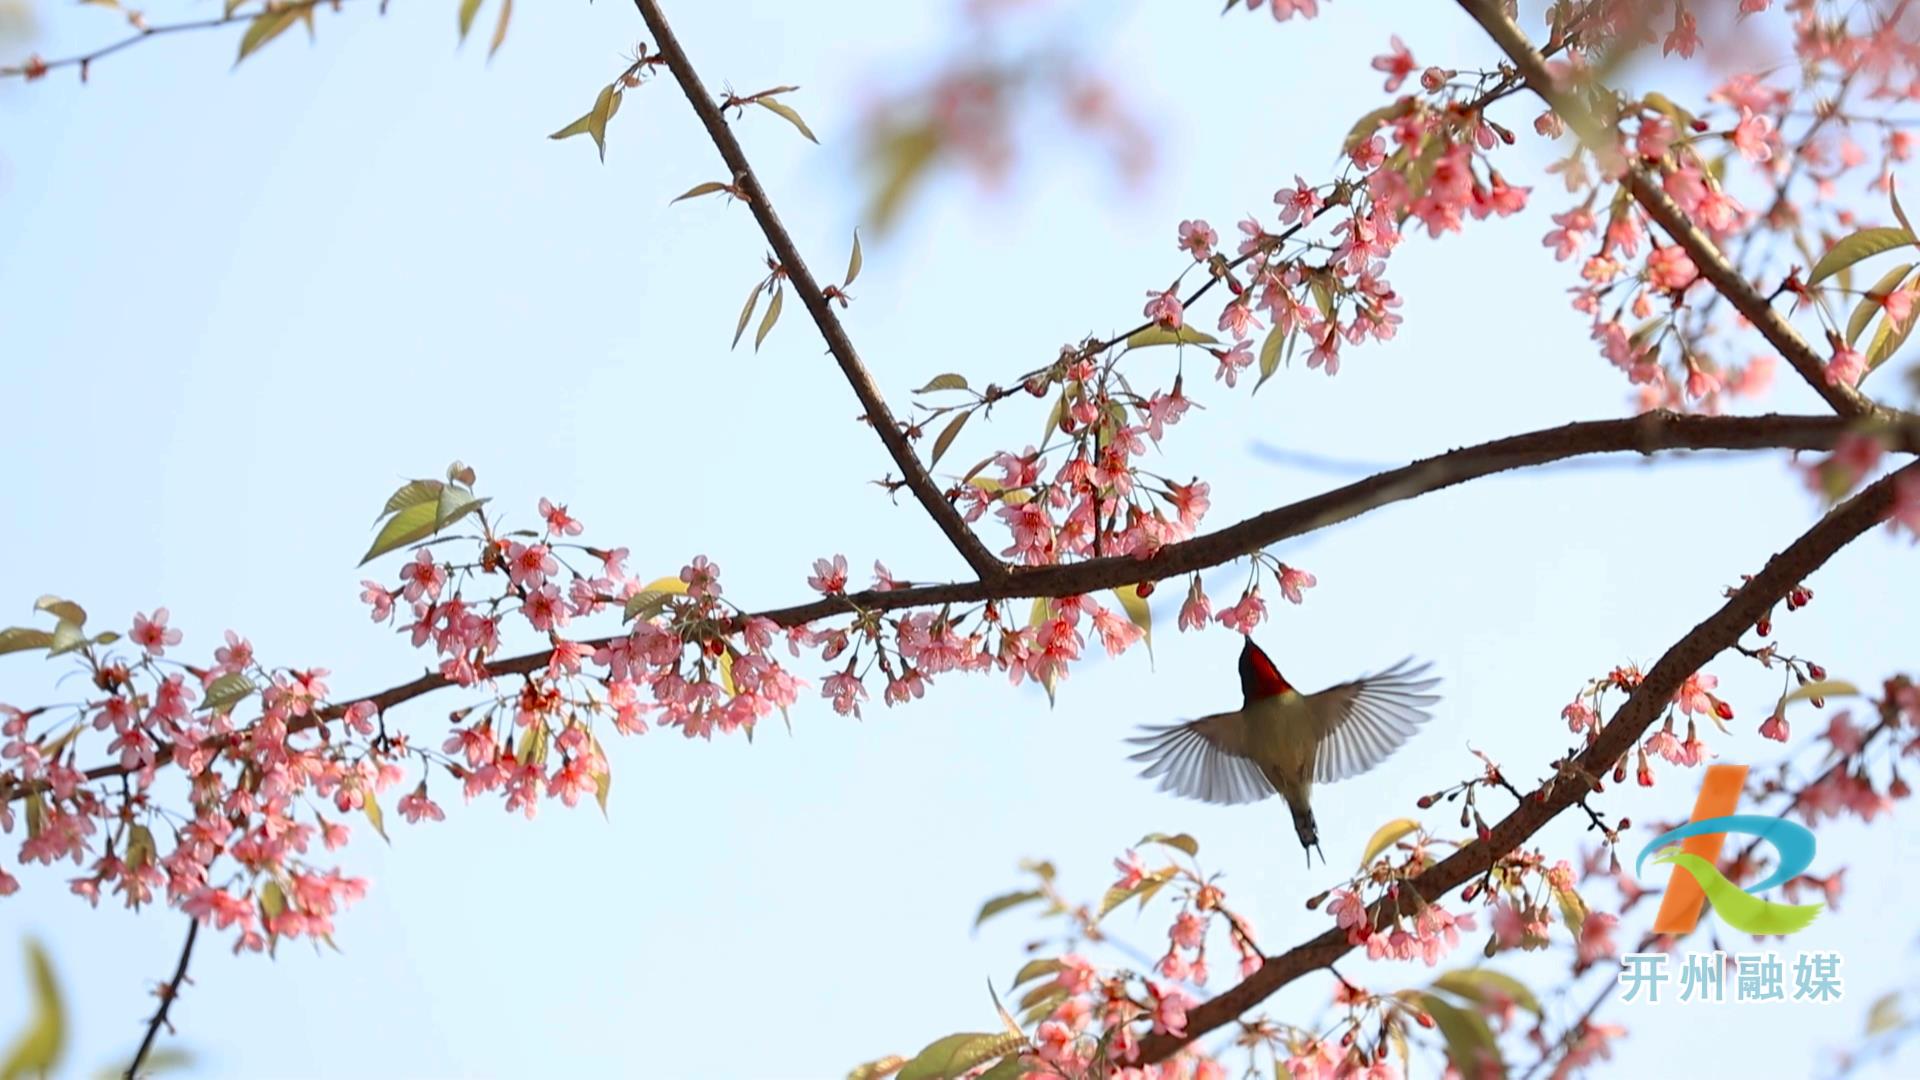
1285,741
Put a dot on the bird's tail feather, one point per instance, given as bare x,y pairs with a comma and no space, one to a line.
1304,827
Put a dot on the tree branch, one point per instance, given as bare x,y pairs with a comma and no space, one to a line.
1644,434
34,69
984,564
167,995
1646,190
1645,705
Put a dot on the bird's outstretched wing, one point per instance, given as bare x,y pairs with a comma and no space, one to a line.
1361,723
1202,759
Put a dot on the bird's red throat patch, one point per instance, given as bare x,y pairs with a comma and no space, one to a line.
1258,677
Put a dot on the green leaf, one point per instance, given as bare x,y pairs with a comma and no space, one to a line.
602,780
1386,836
20,638
273,900
1863,311
953,1056
698,190
786,113
1033,969
1160,335
1898,212
420,521
468,9
946,436
746,313
1861,245
1826,688
949,381
1003,903
767,320
372,806
1482,985
1470,1043
39,1046
647,603
140,847
854,261
1145,889
1178,841
1137,610
227,691
1270,355
65,610
267,26
1008,1068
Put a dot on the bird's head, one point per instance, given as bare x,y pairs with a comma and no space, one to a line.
1259,678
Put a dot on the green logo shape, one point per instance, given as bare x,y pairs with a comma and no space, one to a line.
1735,906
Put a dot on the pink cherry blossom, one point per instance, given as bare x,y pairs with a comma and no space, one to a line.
152,633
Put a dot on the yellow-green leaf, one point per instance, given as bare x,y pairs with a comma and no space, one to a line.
39,1046
1861,245
726,673
1888,339
140,847
853,261
1384,837
227,691
1869,304
372,806
500,31
273,900
786,113
62,609
162,1059
946,436
1900,213
746,313
20,638
267,26
949,381
1160,335
1884,1015
767,320
1471,1046
1482,985
1137,610
1573,910
594,123
468,9
1826,688
1364,128
1033,969
67,637
1270,355
419,521
1003,903
955,1055
1177,841
697,190
412,493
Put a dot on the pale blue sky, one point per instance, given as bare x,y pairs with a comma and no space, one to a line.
236,308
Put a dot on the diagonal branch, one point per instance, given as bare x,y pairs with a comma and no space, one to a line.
1645,434
1645,705
1646,190
918,481
168,992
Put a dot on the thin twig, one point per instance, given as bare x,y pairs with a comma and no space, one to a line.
167,995
917,479
35,69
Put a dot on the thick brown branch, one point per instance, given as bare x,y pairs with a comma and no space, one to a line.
917,479
167,995
1646,190
1645,434
1644,706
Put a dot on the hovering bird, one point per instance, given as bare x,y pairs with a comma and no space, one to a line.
1285,741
